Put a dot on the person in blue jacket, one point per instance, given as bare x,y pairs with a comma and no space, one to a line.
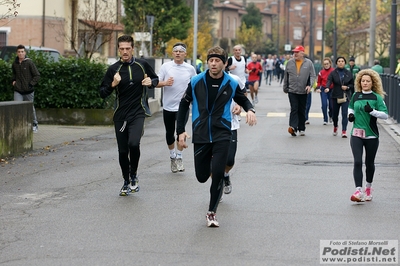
211,93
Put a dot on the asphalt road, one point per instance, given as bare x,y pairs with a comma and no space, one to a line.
59,205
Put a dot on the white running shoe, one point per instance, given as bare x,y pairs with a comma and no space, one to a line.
212,219
179,165
174,166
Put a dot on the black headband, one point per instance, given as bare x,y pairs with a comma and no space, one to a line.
220,56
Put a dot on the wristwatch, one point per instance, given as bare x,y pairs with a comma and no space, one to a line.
253,110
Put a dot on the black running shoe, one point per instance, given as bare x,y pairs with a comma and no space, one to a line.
134,187
125,189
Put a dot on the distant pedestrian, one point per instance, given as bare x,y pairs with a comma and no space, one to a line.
269,67
24,77
353,68
325,93
297,82
377,67
343,85
260,60
129,77
211,94
366,106
174,76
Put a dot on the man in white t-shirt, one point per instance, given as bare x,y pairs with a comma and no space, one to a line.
174,76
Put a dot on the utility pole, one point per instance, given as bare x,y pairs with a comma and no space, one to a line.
311,42
372,31
393,39
335,34
196,12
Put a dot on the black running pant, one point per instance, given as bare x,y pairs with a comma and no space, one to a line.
371,147
232,149
210,159
128,136
297,118
169,124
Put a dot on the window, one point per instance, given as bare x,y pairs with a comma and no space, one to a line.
319,34
4,31
3,38
297,33
228,21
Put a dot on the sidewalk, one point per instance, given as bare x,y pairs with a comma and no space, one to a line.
51,135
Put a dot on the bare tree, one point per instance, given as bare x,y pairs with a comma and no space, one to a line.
11,8
91,27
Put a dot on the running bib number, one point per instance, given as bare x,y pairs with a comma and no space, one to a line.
359,133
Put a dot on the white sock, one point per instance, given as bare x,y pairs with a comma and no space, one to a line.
179,154
359,189
172,153
226,174
368,185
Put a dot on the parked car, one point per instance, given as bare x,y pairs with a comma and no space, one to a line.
8,53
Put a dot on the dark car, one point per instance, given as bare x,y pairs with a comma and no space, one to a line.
8,53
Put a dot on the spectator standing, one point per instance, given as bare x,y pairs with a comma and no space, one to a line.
299,77
354,69
377,67
129,77
325,93
397,71
199,64
343,85
211,94
24,77
174,76
366,106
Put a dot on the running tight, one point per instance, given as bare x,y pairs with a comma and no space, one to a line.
210,160
169,124
371,147
128,136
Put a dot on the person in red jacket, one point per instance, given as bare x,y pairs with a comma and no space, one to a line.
325,93
255,69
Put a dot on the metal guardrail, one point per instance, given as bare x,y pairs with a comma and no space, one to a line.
391,85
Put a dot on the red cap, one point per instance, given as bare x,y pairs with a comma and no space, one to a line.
298,49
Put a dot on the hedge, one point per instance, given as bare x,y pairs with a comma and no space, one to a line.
70,83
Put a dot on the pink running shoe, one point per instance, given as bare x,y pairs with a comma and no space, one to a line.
358,196
368,194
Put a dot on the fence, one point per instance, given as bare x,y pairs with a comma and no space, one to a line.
391,85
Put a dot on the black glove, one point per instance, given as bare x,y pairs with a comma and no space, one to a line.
368,108
254,69
351,118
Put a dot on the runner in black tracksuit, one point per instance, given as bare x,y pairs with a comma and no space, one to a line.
131,107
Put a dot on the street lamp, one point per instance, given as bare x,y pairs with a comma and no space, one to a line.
150,22
311,42
279,28
335,34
